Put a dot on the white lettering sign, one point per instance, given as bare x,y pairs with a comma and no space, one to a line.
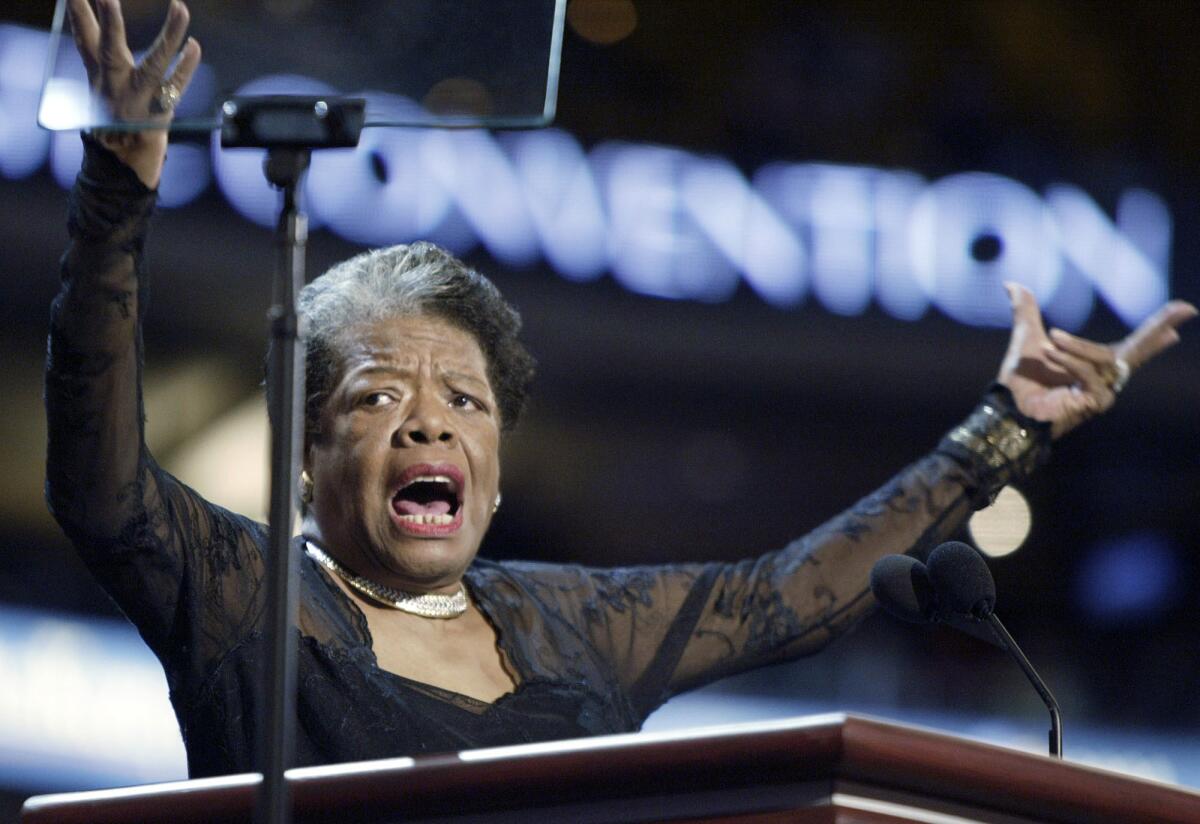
667,222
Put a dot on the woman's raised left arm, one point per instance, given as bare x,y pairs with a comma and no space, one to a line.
671,628
794,601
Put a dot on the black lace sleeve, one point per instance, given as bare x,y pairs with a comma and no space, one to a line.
186,572
671,628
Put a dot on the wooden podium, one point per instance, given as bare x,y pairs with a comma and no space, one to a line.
824,769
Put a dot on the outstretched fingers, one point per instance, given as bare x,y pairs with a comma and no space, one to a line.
86,31
1098,353
1025,307
1156,333
166,45
1027,340
1089,375
1065,379
1101,368
114,53
186,67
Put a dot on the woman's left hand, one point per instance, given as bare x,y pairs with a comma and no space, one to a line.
1064,379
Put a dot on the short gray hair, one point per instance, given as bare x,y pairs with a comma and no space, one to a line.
408,280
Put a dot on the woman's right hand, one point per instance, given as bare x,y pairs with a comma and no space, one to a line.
133,91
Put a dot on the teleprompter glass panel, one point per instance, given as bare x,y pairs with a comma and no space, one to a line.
417,62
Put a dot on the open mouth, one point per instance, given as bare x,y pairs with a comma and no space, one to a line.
429,496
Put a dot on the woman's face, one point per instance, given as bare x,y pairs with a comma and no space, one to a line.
406,470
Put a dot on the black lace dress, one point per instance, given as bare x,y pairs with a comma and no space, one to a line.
594,651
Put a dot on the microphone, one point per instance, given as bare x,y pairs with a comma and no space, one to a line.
964,585
903,588
962,580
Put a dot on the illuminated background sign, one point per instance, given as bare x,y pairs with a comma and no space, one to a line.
668,222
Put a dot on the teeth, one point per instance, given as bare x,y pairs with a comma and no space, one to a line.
442,520
434,479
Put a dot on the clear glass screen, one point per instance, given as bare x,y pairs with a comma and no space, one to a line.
416,62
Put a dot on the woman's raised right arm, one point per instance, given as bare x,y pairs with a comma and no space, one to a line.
186,572
93,399
95,454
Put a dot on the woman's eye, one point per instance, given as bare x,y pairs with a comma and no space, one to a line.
461,401
377,399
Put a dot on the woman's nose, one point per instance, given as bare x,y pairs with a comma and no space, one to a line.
427,423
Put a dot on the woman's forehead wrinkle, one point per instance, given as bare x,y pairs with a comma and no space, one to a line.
366,361
466,374
402,362
403,349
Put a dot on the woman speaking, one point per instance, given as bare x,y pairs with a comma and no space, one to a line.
409,643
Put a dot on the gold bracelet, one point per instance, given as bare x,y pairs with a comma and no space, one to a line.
1002,447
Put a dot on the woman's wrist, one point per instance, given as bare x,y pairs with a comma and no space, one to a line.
143,152
105,159
998,443
110,203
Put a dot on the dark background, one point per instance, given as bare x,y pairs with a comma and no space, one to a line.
644,408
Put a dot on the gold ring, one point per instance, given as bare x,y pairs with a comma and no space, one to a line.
1115,375
1120,375
168,97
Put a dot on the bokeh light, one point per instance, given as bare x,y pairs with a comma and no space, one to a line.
602,21
1133,577
1001,528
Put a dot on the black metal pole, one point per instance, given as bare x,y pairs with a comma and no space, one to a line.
289,127
285,170
1006,641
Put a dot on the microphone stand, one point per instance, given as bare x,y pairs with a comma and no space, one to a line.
285,169
913,592
1006,642
289,128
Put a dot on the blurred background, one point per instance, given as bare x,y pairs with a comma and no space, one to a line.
758,258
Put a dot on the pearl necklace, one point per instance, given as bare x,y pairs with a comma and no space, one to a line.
426,605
